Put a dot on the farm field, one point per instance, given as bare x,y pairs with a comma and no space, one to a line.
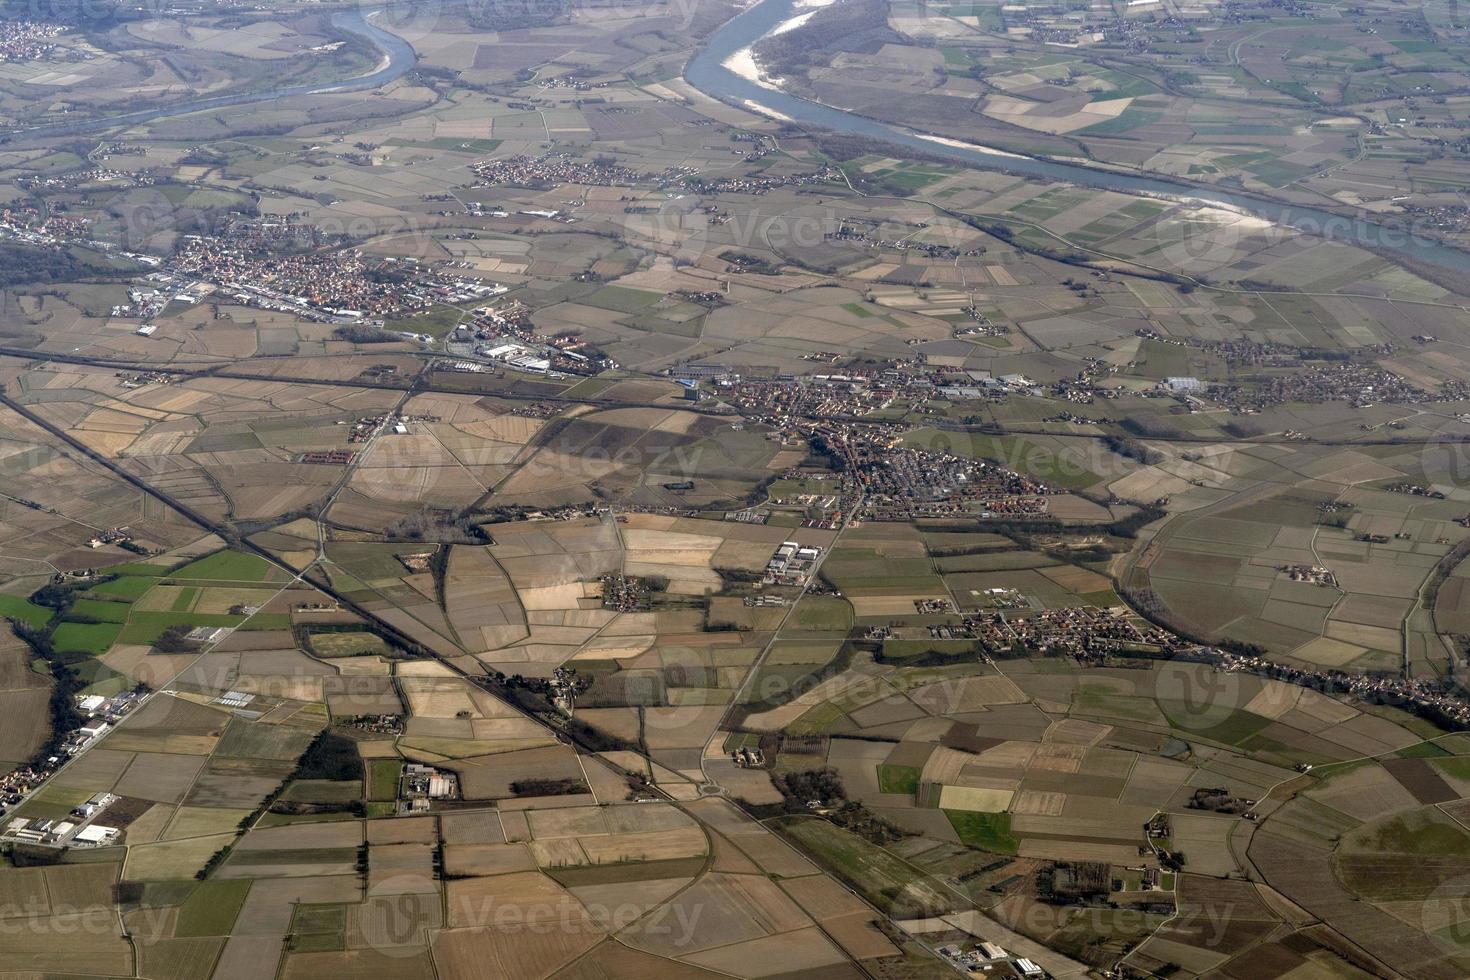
479,499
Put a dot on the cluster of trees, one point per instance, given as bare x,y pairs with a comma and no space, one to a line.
515,15
1133,449
1149,427
824,786
750,263
330,756
548,787
359,333
945,658
503,514
824,451
737,576
532,695
800,788
436,524
1217,800
175,639
1077,880
65,685
32,264
1128,527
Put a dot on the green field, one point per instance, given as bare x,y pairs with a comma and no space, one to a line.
899,779
93,638
481,146
1234,729
98,610
822,613
124,587
1425,832
621,299
140,568
55,801
1456,766
101,679
318,928
226,566
853,569
987,831
324,791
211,908
15,607
382,775
147,627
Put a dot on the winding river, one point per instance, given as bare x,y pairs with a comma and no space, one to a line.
396,57
707,73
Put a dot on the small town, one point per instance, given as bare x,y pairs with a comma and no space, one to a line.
1078,631
556,169
624,593
27,40
339,286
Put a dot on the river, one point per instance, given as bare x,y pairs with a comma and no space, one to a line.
707,73
396,57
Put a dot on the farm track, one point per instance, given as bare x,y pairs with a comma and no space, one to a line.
202,521
392,632
420,384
